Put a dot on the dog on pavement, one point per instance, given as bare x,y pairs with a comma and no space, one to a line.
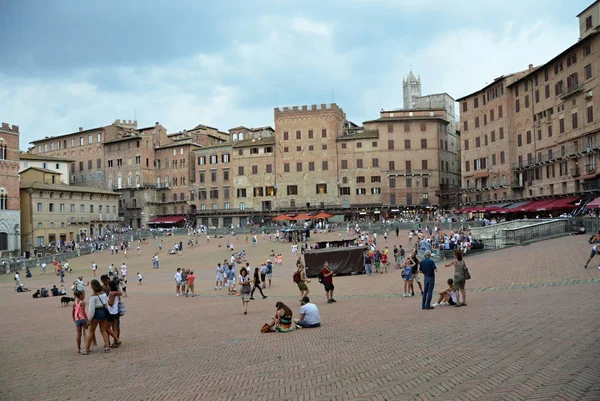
64,301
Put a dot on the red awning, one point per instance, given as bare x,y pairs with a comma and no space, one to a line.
481,174
537,206
563,204
167,220
595,204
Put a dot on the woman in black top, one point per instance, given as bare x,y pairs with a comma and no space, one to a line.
415,272
256,284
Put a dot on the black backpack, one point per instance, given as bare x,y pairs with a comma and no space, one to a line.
321,277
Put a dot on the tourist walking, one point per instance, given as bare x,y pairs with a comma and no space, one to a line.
301,280
244,281
428,268
256,284
220,277
269,271
459,278
327,278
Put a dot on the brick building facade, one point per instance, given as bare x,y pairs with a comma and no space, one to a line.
535,133
10,215
54,213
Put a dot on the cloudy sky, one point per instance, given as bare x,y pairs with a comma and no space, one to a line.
71,63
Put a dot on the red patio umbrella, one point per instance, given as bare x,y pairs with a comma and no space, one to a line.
322,216
283,217
303,216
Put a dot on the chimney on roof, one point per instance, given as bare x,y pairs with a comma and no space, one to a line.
80,129
530,67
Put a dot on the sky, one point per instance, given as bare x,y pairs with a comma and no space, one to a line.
70,63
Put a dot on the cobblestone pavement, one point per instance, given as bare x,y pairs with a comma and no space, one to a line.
530,332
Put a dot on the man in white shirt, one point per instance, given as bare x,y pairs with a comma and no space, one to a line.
309,315
177,281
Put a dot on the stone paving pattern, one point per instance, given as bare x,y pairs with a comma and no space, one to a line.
531,332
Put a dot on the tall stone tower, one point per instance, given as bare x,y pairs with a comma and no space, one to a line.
411,89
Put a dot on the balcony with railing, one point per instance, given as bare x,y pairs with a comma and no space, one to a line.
518,184
409,173
571,152
162,185
589,186
575,172
572,89
144,185
590,168
447,190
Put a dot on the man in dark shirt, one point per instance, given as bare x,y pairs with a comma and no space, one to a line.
428,268
328,282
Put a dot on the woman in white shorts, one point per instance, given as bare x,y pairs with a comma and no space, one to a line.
220,277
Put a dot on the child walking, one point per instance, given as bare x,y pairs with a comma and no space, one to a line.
80,317
140,278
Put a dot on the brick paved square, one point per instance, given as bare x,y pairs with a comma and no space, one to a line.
530,332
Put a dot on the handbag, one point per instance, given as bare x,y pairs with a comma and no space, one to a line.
466,273
266,328
121,307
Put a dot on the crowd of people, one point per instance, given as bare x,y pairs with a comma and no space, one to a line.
104,306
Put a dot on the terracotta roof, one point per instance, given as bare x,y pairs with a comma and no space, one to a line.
44,170
269,140
568,49
123,139
374,134
71,133
173,145
67,188
32,156
405,118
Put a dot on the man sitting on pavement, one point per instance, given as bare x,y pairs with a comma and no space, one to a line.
309,315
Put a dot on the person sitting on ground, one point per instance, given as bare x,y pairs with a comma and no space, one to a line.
54,291
282,322
44,292
309,315
447,296
20,288
35,294
62,290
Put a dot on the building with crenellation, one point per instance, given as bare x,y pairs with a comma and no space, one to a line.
313,159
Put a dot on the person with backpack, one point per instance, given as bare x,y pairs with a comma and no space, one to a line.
300,279
326,278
